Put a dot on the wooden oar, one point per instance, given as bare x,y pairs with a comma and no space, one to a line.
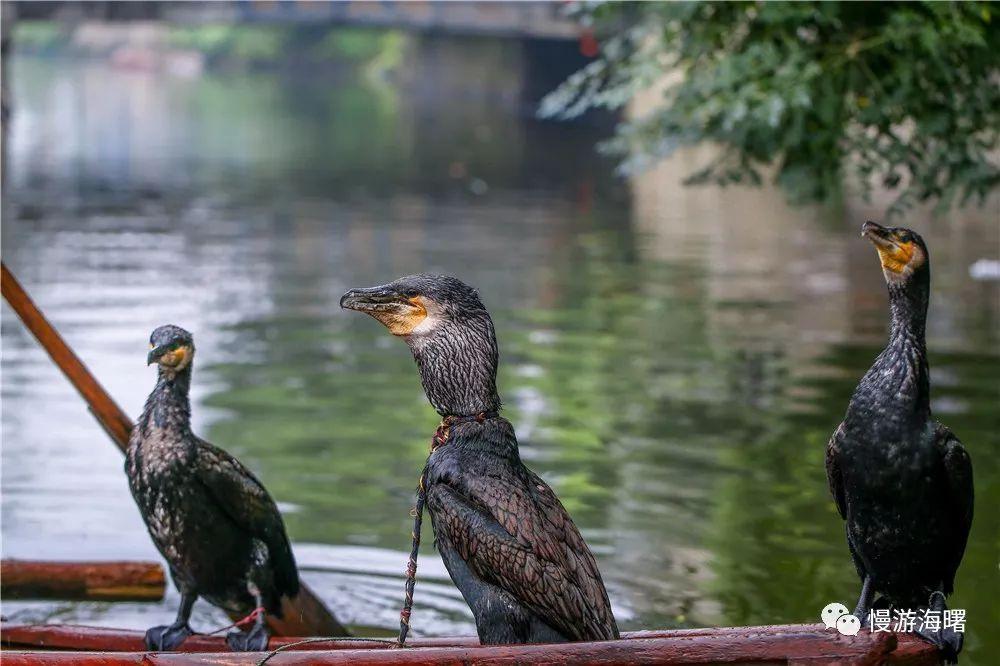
303,616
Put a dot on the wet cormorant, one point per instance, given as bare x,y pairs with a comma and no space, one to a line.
211,519
901,480
508,543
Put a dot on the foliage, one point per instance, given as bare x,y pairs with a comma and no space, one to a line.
902,95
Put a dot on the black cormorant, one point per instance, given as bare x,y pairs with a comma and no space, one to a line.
508,543
901,480
211,519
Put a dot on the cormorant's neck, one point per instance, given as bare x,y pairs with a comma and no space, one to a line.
168,406
908,307
458,365
907,343
895,393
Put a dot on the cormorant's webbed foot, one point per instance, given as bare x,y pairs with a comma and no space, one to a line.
948,641
167,637
254,640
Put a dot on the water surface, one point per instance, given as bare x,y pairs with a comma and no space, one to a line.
673,359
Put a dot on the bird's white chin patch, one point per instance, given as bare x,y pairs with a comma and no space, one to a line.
428,325
434,317
897,277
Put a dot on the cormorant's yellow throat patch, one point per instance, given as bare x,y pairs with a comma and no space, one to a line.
405,318
896,256
175,358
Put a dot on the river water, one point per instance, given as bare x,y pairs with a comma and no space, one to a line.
673,359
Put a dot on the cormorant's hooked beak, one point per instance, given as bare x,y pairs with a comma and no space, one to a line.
171,355
400,313
155,353
371,299
899,256
877,235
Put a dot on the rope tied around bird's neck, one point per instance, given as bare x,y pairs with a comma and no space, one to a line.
439,439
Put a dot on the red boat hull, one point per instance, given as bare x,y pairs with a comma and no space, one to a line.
781,644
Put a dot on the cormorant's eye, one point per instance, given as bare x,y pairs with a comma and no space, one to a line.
411,293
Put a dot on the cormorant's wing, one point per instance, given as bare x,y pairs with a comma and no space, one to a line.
958,471
514,533
244,499
833,475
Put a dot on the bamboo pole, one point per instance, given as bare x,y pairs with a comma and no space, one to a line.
82,581
107,412
305,615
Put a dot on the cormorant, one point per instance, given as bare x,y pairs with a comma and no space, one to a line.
211,519
901,480
506,540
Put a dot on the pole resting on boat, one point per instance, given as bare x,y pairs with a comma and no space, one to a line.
107,412
82,581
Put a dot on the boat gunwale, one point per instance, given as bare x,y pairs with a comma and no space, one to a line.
809,643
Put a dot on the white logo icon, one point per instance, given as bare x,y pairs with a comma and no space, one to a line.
831,613
848,625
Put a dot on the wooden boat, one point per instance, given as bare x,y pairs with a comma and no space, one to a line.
776,644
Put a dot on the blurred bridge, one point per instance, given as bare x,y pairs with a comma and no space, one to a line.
531,20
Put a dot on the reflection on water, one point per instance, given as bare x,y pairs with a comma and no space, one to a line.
673,359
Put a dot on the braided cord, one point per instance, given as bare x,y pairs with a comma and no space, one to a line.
411,566
440,439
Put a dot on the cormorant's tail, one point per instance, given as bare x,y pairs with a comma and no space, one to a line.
286,573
